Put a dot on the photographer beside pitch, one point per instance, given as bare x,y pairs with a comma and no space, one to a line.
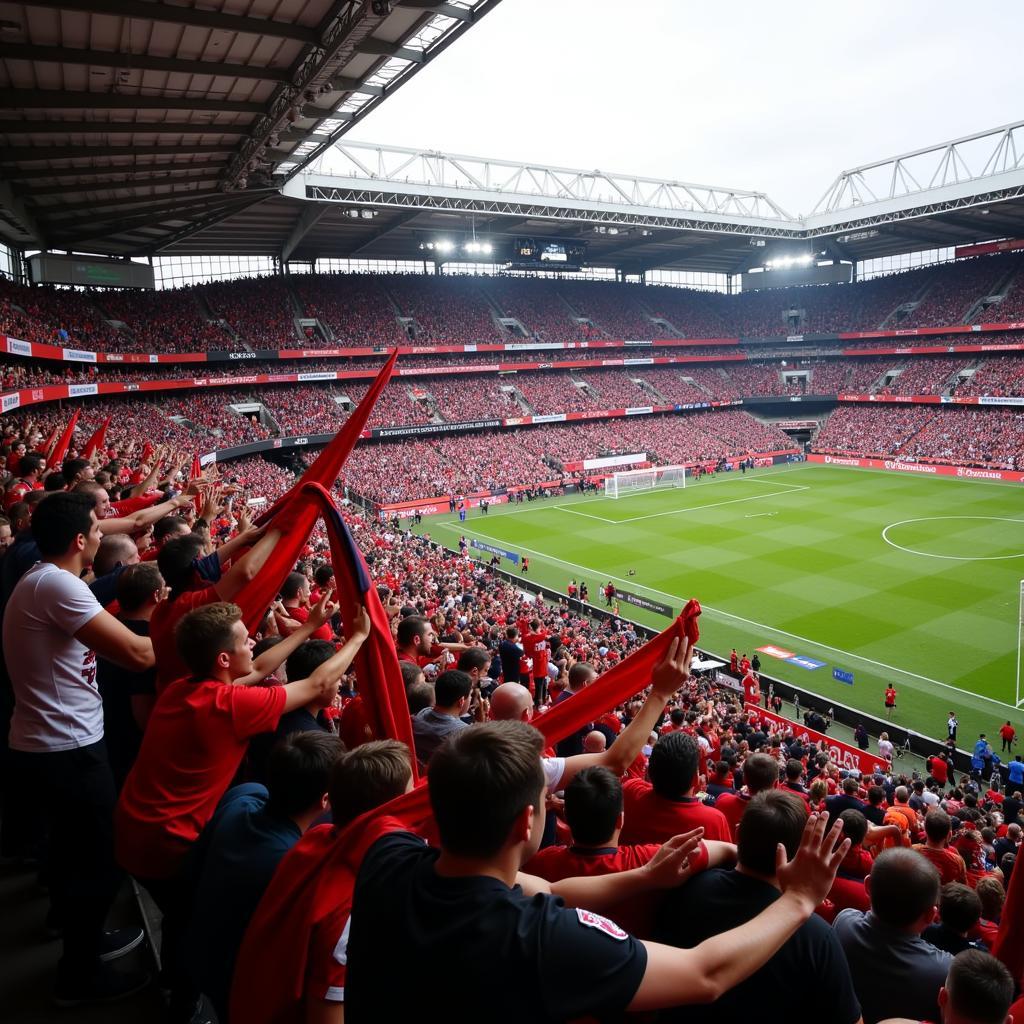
432,910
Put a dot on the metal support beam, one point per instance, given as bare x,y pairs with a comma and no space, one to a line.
17,210
385,49
141,10
343,84
106,227
447,10
34,154
107,210
56,99
138,62
173,175
35,127
206,222
306,220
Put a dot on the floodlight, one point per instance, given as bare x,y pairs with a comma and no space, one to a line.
486,247
443,245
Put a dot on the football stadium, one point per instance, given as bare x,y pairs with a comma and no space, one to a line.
443,551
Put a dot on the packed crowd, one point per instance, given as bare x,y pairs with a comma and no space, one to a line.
997,377
356,308
708,855
928,375
437,467
258,310
958,435
953,288
260,313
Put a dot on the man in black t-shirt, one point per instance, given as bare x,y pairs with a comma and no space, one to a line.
810,962
459,933
129,696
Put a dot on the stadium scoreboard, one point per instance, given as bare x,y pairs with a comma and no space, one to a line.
548,254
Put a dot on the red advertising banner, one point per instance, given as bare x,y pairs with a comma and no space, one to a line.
985,248
938,399
923,468
928,350
847,757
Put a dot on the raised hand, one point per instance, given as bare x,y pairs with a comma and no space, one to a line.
323,609
812,871
674,669
671,864
359,629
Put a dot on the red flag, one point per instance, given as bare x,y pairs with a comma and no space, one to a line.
97,440
46,446
197,469
1009,944
56,457
316,877
147,451
328,463
295,514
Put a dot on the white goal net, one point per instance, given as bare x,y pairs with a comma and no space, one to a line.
629,481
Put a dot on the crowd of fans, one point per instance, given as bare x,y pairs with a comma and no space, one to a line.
953,288
224,777
928,375
996,377
987,437
356,308
385,310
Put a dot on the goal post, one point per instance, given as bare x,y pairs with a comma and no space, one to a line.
1019,696
630,481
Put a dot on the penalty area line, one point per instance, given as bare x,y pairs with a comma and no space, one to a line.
632,582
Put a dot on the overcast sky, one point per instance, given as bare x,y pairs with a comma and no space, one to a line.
777,97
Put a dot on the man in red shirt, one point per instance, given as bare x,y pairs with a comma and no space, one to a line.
751,688
667,805
537,648
295,598
1007,734
194,743
890,700
760,773
292,962
593,811
947,861
31,468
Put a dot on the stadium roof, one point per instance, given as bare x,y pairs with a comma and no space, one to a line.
372,201
153,127
127,124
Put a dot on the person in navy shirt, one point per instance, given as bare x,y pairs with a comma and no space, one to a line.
238,851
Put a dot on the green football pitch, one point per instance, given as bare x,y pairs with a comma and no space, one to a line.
894,578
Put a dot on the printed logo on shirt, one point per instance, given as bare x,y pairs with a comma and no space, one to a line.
602,924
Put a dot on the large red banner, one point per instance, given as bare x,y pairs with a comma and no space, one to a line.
921,468
847,757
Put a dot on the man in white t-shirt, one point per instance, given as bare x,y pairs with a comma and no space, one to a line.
53,629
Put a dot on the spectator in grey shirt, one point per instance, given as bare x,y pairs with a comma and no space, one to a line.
432,726
895,972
